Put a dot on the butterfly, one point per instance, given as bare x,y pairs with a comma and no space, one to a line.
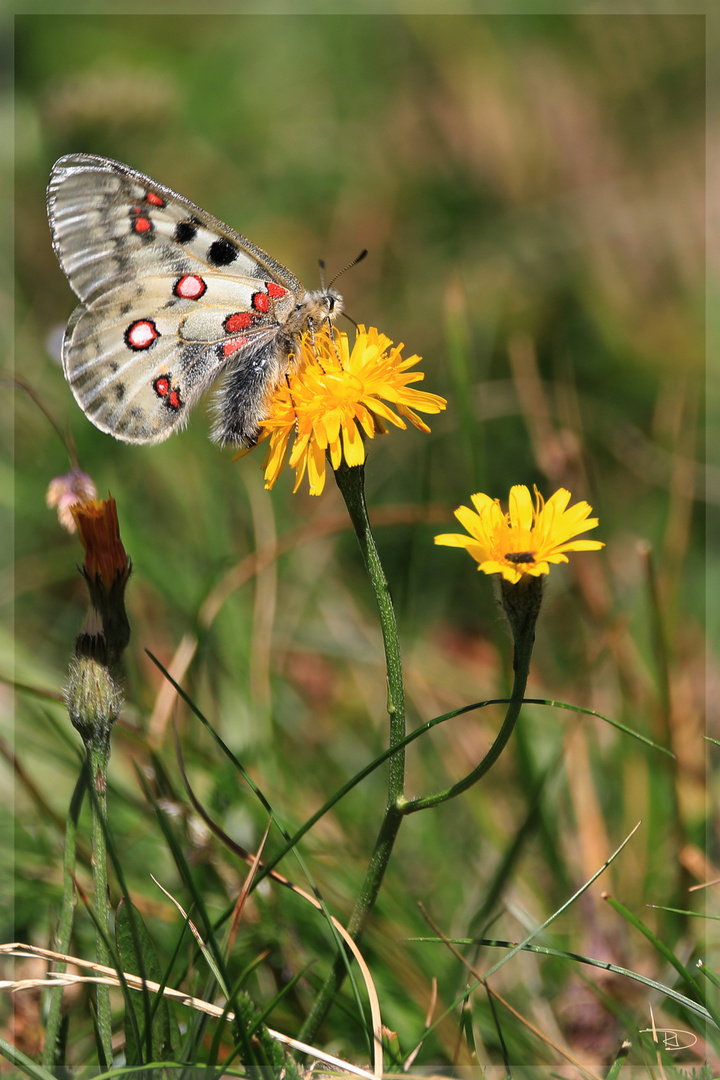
170,299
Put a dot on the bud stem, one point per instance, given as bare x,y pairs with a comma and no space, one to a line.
98,755
521,603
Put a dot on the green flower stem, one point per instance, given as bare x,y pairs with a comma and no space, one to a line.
522,606
351,482
375,872
98,751
65,923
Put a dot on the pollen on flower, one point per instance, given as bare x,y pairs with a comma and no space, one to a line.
526,539
334,397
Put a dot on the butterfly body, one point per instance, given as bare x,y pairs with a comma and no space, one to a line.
170,299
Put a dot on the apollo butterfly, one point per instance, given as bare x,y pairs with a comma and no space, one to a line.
170,298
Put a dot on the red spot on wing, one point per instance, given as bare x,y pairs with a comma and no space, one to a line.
139,220
170,394
154,199
276,291
261,302
141,334
240,320
190,287
233,346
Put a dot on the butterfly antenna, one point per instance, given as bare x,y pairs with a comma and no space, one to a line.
349,266
321,264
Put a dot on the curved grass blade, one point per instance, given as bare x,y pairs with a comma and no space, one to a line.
564,954
666,953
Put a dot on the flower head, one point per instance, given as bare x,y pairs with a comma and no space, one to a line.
527,538
105,557
335,395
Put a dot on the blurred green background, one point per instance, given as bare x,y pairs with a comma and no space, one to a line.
531,192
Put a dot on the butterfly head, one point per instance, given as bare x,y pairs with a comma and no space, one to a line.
322,304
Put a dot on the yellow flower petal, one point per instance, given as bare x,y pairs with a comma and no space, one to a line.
454,540
336,452
353,444
521,508
316,469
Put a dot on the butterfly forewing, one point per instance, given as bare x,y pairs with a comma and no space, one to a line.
171,298
104,216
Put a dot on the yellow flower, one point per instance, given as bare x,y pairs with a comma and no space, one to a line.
333,396
527,538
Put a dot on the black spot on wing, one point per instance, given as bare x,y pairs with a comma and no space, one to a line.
222,253
185,231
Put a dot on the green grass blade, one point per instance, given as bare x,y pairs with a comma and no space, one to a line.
152,1011
665,952
23,1062
620,1059
563,954
708,973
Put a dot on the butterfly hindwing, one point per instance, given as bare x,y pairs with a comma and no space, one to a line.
134,368
170,298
